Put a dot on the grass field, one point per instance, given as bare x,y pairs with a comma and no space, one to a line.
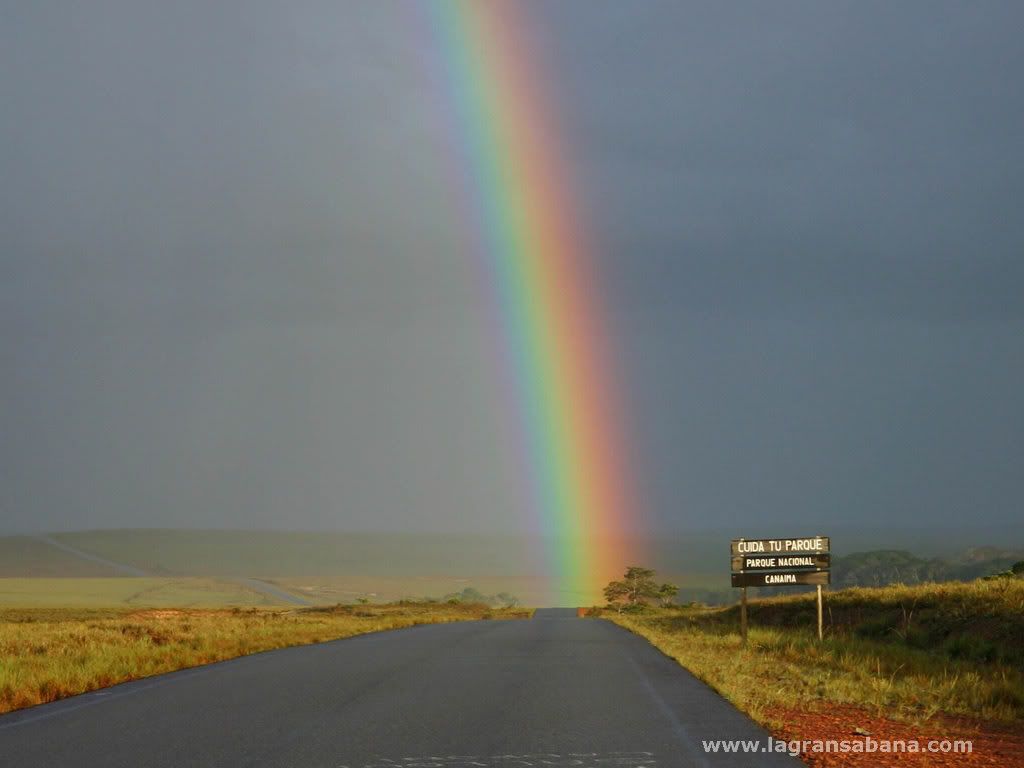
128,592
328,566
27,556
325,567
47,655
906,652
267,554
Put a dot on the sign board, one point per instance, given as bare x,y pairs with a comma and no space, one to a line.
781,562
779,578
810,545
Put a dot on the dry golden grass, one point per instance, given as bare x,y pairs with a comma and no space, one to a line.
49,654
906,652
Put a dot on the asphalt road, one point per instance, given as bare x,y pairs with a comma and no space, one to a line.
551,691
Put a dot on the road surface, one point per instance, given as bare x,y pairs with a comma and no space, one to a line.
274,592
551,691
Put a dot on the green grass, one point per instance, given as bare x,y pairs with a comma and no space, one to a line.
906,652
125,592
48,654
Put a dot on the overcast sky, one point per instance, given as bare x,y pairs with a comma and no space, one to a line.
232,292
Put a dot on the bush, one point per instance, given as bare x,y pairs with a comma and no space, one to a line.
969,648
636,608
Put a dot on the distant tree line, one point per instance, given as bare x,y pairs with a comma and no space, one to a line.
882,567
895,566
472,595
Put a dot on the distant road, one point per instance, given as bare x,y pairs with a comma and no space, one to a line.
130,570
552,691
272,591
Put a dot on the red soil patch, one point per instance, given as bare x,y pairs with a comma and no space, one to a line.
156,614
993,743
176,613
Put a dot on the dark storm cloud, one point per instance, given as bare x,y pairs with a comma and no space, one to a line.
233,290
809,213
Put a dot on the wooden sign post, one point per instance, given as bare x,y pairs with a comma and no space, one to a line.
743,614
820,632
780,562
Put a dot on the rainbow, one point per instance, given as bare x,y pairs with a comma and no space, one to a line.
533,245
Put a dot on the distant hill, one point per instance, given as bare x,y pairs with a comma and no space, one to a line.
27,556
884,567
335,566
321,567
887,567
869,568
270,554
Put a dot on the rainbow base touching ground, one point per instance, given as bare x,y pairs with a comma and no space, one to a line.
534,250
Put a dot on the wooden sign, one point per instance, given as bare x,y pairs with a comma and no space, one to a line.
780,578
810,545
781,562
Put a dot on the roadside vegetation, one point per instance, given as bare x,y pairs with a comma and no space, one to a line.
49,654
905,652
473,595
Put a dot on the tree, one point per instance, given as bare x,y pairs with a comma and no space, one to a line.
473,595
635,588
615,594
667,594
